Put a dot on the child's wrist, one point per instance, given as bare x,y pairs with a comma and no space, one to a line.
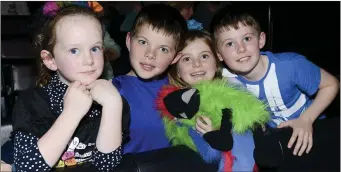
306,119
71,114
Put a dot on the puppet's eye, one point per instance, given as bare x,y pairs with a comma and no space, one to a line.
183,115
186,96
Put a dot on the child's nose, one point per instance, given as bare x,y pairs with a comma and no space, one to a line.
150,54
241,48
196,63
88,60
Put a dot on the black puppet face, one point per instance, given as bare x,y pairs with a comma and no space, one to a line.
183,103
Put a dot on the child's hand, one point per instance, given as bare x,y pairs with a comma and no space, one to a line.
103,92
303,132
203,124
5,166
77,99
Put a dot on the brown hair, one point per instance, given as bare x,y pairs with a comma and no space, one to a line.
191,36
231,17
45,37
162,17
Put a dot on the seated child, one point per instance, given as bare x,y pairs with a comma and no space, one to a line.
285,81
198,61
71,117
152,44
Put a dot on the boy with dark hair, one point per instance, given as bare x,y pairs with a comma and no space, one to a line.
153,43
285,81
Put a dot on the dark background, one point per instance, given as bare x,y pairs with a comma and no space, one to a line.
308,28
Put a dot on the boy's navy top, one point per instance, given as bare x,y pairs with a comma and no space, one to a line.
287,87
146,128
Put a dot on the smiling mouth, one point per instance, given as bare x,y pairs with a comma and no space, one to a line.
244,59
147,67
198,74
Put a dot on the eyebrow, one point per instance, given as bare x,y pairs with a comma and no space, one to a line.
99,42
168,46
138,36
183,54
206,52
75,45
251,33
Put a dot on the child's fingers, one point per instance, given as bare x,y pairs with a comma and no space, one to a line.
90,86
293,138
305,144
310,143
284,124
87,92
206,120
201,124
76,84
199,129
299,142
82,87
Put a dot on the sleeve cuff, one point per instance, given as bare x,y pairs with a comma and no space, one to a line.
107,161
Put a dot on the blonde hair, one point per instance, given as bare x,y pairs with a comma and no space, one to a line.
191,36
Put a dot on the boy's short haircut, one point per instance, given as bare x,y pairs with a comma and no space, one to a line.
162,17
230,17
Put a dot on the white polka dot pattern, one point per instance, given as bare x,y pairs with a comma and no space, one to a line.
107,161
27,156
56,90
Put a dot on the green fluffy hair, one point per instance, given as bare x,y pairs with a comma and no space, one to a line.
215,95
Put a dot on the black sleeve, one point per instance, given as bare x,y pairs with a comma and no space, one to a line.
107,161
27,156
125,121
31,113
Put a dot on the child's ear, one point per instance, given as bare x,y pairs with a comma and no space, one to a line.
48,60
219,57
176,59
262,40
128,41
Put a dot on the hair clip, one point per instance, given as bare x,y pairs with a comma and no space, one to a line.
51,7
95,6
194,25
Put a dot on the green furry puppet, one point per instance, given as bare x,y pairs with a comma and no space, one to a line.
230,109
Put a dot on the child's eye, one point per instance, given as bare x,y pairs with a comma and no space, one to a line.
163,49
96,49
229,44
142,42
247,38
186,59
205,56
74,51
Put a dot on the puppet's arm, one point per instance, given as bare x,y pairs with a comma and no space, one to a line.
268,151
221,139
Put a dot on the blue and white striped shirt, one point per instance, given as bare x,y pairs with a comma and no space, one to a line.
287,87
